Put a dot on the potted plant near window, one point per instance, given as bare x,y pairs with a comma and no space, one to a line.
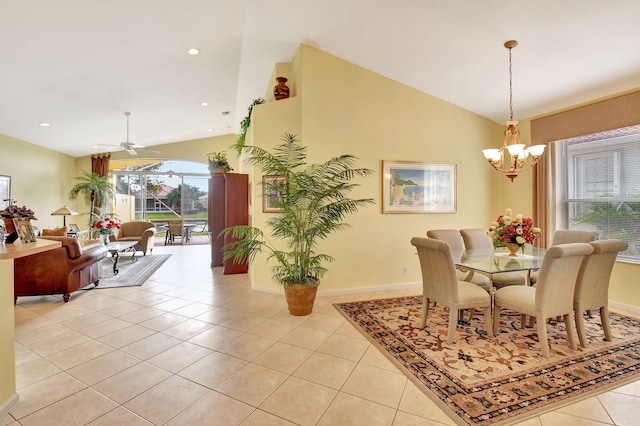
96,191
218,162
313,202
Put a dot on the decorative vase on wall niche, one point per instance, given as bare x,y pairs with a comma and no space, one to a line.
281,90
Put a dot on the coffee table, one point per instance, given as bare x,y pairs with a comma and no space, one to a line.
116,249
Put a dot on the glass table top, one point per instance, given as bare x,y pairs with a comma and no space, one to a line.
496,261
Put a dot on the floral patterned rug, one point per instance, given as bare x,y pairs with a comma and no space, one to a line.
480,380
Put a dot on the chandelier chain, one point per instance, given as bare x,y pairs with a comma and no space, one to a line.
510,89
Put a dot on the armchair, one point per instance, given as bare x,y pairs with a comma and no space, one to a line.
142,231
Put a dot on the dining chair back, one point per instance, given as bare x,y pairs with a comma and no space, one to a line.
440,284
175,229
478,238
455,241
592,285
566,236
552,296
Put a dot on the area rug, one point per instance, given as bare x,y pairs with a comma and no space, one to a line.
130,273
480,380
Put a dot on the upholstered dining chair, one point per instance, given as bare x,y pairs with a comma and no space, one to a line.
566,236
477,238
455,241
551,297
441,284
175,229
592,285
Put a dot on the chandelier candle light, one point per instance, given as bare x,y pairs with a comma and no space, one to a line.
522,158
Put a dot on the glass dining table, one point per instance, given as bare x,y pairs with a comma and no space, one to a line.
490,262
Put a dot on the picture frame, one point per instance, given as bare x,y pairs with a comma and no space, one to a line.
25,230
5,191
415,187
73,227
271,194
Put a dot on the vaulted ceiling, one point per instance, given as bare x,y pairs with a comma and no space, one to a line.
79,65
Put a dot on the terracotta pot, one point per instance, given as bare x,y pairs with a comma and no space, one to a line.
513,248
300,298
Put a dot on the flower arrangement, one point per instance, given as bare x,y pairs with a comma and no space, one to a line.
105,226
518,230
13,211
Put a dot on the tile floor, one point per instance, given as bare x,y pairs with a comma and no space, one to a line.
195,347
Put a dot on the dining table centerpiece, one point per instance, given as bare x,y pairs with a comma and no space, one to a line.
513,232
105,227
13,211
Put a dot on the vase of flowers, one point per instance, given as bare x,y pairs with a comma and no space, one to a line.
105,227
513,232
11,212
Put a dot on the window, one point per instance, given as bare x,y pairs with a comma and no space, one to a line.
602,187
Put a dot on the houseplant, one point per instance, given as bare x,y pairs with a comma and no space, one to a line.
96,191
244,125
513,232
218,162
11,212
313,203
105,227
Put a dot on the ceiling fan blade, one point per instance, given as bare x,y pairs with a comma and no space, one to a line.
132,151
137,145
154,151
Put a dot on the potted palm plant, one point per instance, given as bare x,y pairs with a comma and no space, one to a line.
218,162
96,191
312,202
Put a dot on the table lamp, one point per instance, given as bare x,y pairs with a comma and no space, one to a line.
64,211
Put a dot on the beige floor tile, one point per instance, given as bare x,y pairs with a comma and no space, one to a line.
8,421
187,329
193,309
104,328
175,394
299,401
217,315
213,409
77,409
215,337
125,336
324,322
59,343
375,384
86,320
79,354
260,418
34,371
252,384
45,392
141,315
623,409
306,337
102,367
119,416
375,358
40,334
150,346
123,308
164,321
213,369
415,402
172,304
344,347
272,329
283,357
632,389
326,370
347,329
535,421
24,355
558,419
179,357
406,419
589,408
246,346
243,322
350,410
131,382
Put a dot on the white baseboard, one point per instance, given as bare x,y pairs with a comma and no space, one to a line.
8,405
369,289
623,308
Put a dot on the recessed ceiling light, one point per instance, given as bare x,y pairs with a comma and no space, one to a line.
225,113
193,51
204,104
209,130
45,124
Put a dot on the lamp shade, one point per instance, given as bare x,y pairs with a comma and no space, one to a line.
64,211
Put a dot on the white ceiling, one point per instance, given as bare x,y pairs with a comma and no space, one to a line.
80,64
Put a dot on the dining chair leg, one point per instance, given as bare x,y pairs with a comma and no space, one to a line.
542,336
582,335
453,324
568,325
425,312
604,317
488,320
496,320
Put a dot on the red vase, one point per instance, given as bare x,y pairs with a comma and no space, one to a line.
281,90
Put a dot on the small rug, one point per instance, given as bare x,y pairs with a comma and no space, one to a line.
480,380
130,273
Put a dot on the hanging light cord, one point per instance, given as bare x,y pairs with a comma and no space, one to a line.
510,88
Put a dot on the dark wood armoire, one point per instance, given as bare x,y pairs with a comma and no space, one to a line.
228,206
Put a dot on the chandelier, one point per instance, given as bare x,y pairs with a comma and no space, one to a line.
522,158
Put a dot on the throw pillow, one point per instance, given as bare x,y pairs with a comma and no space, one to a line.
58,232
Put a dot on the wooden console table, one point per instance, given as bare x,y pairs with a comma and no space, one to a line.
8,252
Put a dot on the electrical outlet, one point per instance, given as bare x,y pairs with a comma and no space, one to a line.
405,269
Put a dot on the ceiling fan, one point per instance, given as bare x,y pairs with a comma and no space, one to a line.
129,146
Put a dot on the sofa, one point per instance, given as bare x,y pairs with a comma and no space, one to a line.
62,270
142,231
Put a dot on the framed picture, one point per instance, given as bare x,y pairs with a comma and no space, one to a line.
24,229
5,191
272,193
73,227
412,187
